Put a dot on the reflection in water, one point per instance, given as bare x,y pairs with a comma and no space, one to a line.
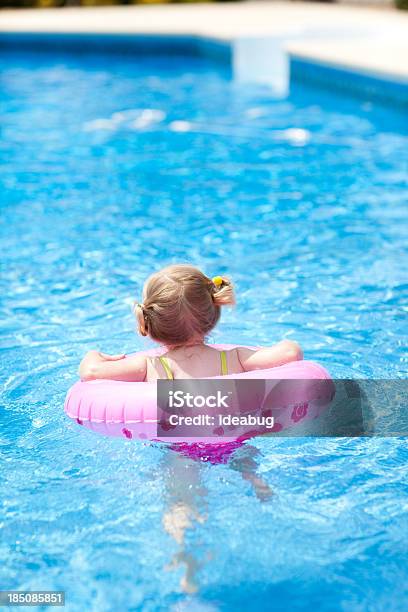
244,461
186,497
186,507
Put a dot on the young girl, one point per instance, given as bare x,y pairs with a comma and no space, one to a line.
181,306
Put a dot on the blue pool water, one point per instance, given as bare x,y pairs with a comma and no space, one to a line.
111,168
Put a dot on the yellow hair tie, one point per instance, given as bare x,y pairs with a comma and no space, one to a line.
217,280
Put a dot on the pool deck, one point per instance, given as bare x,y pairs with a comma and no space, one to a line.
373,40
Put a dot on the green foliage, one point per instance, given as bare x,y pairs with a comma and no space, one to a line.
402,4
58,3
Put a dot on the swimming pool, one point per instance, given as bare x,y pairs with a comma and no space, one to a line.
112,168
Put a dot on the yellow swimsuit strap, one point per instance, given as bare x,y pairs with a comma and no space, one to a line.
166,367
224,367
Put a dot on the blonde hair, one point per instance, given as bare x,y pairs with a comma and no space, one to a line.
181,303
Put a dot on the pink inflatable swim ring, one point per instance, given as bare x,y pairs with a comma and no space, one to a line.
129,409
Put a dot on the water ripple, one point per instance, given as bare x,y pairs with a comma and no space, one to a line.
111,169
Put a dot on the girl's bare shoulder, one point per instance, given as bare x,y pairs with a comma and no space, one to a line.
234,360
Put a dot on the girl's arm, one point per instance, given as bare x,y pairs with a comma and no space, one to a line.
277,355
97,365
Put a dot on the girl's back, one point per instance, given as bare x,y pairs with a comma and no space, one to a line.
195,361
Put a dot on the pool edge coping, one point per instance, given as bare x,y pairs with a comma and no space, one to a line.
218,49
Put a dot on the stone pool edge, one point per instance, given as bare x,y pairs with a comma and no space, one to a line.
375,84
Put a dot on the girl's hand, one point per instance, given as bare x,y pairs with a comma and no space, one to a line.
96,365
105,357
91,361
